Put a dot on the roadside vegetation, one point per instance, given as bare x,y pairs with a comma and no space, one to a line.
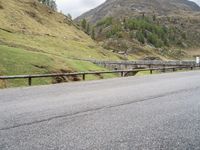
37,40
145,29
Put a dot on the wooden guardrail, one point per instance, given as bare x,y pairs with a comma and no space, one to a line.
83,74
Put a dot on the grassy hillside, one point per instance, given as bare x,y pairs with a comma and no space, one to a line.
35,39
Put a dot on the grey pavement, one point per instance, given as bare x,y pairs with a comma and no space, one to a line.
149,112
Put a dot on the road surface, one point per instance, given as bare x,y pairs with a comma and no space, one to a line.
150,112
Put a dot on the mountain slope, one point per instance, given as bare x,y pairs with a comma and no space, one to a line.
35,39
122,8
166,27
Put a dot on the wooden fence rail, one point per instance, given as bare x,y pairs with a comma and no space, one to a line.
83,74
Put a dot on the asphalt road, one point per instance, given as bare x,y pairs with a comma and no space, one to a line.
151,112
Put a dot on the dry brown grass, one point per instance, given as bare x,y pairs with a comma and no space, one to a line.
192,52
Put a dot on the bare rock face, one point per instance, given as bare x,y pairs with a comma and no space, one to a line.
128,8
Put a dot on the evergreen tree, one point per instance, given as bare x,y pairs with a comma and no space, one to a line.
50,3
93,34
88,28
69,16
83,24
154,17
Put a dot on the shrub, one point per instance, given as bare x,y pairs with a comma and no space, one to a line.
105,22
84,24
184,36
154,40
140,37
115,31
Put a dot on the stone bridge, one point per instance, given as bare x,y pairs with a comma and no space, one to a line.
142,64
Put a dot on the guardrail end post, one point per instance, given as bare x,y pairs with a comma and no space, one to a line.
29,81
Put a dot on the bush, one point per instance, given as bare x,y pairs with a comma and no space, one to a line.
84,24
132,34
105,22
140,37
154,40
184,36
115,31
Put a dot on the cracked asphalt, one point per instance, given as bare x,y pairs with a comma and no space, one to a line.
149,112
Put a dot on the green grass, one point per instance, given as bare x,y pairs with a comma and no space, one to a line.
144,73
16,61
36,40
57,46
44,42
19,61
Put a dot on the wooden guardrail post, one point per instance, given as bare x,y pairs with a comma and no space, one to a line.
83,77
164,69
29,81
122,74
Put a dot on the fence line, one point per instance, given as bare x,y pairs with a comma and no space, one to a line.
83,74
144,62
